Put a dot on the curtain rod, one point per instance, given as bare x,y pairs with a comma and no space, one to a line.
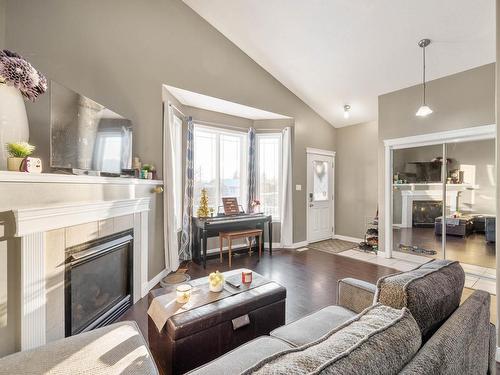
201,122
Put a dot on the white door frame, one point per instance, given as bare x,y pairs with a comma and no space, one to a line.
318,151
475,133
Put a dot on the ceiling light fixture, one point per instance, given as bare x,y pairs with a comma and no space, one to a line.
424,110
347,108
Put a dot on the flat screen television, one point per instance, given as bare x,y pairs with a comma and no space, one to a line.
86,135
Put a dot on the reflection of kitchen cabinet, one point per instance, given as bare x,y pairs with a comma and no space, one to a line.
469,178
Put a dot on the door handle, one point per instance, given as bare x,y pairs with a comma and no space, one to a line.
311,205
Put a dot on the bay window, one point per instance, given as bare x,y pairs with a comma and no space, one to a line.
221,164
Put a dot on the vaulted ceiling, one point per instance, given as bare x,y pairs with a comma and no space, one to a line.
336,52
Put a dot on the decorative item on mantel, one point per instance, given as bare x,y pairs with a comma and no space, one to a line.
18,79
19,160
148,172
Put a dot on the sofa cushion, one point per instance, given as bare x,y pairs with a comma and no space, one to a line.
311,327
431,292
116,349
380,340
243,357
461,345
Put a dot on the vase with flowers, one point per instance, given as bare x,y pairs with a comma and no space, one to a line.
19,80
255,206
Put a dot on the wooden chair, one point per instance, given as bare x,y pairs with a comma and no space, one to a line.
230,236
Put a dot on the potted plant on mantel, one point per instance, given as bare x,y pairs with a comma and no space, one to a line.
18,151
18,80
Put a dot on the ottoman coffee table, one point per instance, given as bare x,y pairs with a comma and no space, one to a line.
183,337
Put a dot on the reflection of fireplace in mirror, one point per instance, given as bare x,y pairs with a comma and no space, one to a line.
424,213
98,282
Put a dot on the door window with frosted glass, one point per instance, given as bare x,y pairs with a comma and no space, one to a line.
320,180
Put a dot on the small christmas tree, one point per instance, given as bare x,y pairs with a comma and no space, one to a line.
203,208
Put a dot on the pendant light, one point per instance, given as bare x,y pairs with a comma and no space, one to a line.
424,110
347,108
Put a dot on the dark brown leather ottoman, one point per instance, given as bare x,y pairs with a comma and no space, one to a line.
192,338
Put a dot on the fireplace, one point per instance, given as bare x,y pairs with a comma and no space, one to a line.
424,213
98,282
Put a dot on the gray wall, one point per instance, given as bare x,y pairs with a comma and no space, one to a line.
119,53
459,101
2,24
356,178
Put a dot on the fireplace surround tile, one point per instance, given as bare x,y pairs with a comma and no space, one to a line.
106,227
124,222
81,233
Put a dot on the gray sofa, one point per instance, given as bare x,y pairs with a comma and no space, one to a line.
409,323
115,349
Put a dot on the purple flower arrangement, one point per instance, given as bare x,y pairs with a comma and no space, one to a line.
16,71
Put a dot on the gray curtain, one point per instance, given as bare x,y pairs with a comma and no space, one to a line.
252,169
185,252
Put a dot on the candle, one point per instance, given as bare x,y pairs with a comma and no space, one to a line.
183,293
246,277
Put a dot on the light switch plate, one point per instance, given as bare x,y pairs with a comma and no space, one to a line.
298,187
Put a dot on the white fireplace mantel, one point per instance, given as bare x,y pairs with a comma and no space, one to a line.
32,223
42,219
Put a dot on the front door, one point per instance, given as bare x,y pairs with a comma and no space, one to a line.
320,168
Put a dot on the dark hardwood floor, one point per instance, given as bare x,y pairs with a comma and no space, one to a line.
310,278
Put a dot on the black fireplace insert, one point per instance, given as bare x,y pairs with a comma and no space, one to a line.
424,213
98,282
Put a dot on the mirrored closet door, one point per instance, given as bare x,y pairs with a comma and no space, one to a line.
443,202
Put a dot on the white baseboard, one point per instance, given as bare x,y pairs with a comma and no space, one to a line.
347,238
276,245
155,280
497,354
296,245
